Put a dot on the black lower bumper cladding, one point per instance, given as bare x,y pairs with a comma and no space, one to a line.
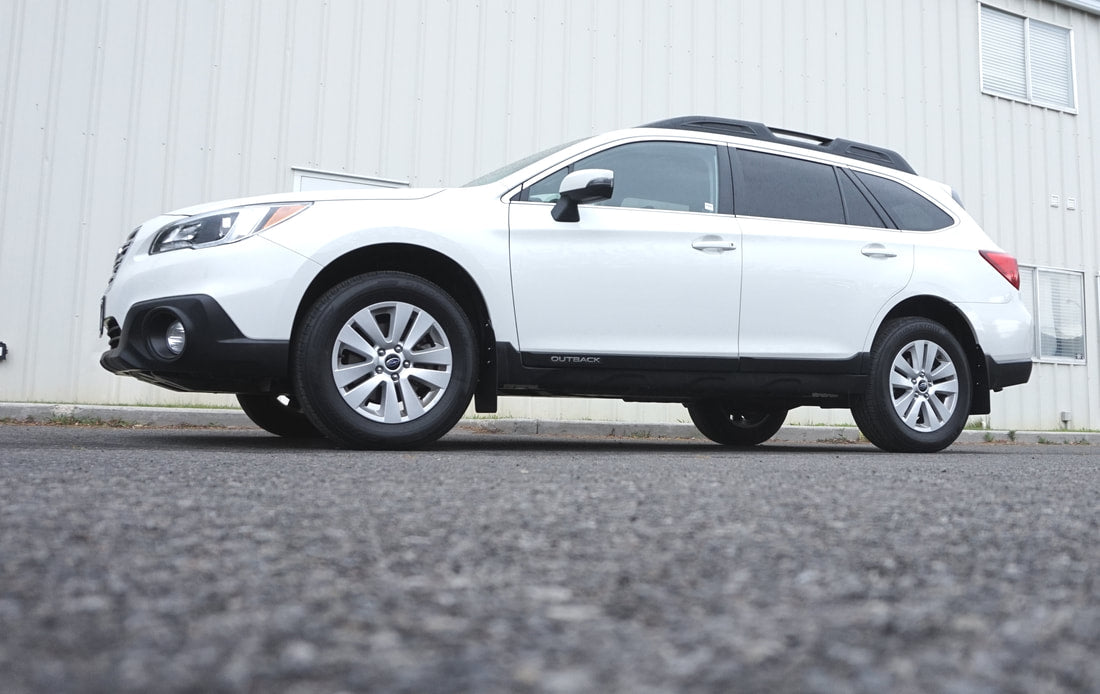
1010,374
217,358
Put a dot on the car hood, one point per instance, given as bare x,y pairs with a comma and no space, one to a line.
312,196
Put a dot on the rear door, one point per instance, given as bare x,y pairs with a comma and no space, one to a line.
819,261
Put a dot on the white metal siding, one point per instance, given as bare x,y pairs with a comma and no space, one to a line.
112,111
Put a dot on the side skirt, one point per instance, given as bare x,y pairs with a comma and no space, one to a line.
790,383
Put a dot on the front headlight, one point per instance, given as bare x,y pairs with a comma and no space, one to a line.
223,226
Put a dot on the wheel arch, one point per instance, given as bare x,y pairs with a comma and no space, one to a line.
427,264
947,315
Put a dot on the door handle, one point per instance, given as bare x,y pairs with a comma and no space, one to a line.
877,250
713,244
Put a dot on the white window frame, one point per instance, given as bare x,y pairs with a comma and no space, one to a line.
1035,305
303,178
1028,97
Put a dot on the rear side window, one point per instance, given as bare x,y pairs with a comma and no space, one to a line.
860,212
908,209
774,186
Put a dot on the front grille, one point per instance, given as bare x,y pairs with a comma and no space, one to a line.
122,254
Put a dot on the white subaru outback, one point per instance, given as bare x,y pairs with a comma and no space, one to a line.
737,269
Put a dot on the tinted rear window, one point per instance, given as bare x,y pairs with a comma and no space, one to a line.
860,212
786,188
909,210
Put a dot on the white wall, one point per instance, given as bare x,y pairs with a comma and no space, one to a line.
114,110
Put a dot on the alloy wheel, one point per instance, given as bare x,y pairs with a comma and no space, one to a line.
924,385
392,362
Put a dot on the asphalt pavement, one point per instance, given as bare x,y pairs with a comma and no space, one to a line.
234,418
226,560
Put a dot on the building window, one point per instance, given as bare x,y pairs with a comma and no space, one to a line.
1056,299
1028,60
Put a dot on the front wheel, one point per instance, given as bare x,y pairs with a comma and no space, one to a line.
385,360
918,392
732,426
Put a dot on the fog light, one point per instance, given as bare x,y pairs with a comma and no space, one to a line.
175,337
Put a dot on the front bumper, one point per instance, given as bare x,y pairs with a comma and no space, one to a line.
217,358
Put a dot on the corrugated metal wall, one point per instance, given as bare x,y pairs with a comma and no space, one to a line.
114,110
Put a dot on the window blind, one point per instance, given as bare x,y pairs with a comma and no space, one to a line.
1026,59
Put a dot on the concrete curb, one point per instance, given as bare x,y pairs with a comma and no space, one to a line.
165,417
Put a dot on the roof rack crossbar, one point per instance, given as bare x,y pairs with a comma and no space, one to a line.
758,131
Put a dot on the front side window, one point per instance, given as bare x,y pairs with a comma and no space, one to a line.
679,176
1026,59
1056,301
908,209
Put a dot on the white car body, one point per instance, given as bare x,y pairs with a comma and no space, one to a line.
647,304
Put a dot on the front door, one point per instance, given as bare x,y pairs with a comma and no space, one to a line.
654,271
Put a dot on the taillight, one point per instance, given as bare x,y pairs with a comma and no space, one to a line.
1005,264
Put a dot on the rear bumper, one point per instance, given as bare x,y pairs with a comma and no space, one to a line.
217,358
1007,374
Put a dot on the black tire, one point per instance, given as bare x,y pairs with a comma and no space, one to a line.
728,425
919,389
269,412
385,360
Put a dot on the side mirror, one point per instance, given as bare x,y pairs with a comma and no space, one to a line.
583,186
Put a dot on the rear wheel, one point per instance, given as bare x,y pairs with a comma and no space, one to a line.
918,393
732,426
277,414
385,360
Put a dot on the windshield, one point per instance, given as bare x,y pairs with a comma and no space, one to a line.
508,169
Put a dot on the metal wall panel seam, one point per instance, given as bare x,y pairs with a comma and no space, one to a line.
321,103
214,69
132,112
419,81
33,319
454,104
478,165
83,303
387,84
355,91
285,82
13,63
176,71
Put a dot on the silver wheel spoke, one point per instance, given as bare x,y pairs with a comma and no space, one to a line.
413,407
945,389
352,340
907,407
368,323
419,329
436,379
921,359
903,367
944,372
346,375
390,407
435,356
359,394
900,380
940,409
402,314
